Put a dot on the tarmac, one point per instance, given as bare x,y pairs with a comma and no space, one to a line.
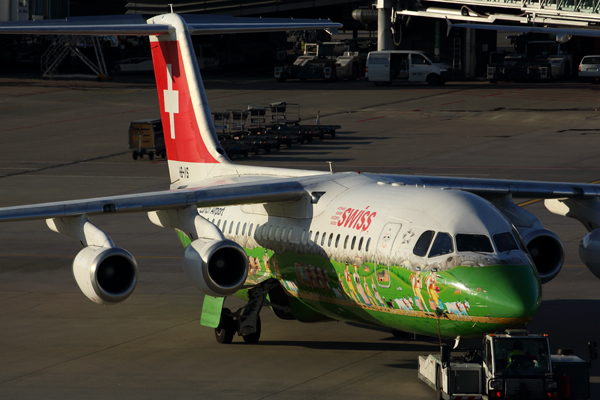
65,140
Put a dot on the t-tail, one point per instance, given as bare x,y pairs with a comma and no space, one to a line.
193,149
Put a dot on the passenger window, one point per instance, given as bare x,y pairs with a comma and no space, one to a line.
231,227
309,237
317,238
218,223
360,242
367,246
337,240
346,241
323,238
423,243
290,235
244,229
277,233
237,228
441,245
270,235
330,239
303,237
475,243
353,243
250,230
505,242
257,232
283,237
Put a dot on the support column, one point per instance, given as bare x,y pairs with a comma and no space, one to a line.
384,25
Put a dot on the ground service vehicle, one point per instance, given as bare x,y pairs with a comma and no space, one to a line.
589,69
328,60
146,137
385,67
513,365
532,60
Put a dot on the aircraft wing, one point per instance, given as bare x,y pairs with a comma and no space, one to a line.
137,25
501,187
222,195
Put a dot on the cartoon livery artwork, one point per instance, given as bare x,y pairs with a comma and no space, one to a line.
437,256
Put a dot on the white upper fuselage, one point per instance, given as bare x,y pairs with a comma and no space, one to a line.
352,216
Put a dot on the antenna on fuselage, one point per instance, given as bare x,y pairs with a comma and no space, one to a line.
171,5
330,167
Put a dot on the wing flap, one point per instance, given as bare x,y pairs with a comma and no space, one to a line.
225,195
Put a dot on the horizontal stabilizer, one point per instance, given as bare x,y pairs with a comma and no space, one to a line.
137,25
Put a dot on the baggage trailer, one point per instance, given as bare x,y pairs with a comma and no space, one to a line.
146,137
514,365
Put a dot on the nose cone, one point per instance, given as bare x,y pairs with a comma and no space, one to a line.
514,294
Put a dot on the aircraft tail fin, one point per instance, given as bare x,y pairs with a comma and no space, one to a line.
193,148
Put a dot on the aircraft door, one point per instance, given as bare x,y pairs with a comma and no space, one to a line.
379,67
419,68
384,251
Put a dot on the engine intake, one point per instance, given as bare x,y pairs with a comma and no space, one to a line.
106,275
217,267
547,252
589,251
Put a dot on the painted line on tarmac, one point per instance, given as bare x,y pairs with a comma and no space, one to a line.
75,119
454,102
371,119
492,95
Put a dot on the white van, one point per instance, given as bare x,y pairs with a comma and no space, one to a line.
384,67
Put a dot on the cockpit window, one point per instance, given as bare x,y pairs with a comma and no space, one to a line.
476,243
423,243
520,241
505,242
441,245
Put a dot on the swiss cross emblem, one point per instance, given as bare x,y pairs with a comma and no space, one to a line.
171,100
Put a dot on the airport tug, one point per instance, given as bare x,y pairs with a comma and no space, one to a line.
511,365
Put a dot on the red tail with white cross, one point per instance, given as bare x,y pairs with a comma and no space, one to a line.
190,138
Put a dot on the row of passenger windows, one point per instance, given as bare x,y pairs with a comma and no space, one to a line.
443,244
285,235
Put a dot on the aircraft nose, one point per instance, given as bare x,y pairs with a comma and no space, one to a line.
515,292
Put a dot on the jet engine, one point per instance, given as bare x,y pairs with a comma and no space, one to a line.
217,267
547,252
106,275
589,251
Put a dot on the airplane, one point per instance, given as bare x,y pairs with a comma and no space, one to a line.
436,256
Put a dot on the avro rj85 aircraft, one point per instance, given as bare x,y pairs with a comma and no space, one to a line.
427,255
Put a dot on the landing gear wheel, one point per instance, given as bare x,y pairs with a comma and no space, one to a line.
254,337
134,155
226,329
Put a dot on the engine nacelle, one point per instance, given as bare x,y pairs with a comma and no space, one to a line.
106,275
589,251
217,267
547,251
